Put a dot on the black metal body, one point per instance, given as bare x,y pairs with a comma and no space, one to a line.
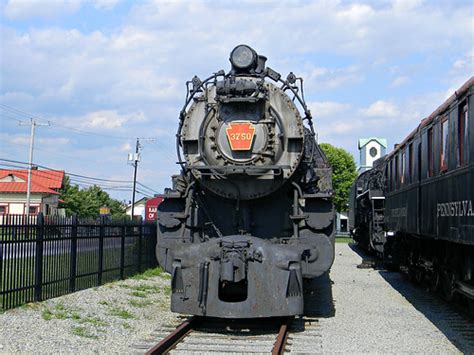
428,191
240,229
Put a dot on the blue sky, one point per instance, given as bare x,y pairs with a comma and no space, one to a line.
118,69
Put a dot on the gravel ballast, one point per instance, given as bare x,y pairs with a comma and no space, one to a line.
381,311
356,310
106,319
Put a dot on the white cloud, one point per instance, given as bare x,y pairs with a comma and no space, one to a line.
19,139
399,81
106,4
100,77
406,5
53,141
381,108
127,147
22,9
109,119
327,108
321,78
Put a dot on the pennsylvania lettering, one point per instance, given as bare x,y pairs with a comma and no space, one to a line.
455,209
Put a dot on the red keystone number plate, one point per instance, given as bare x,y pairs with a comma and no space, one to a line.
240,135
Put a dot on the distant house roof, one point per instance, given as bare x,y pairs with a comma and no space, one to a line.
42,181
139,202
365,141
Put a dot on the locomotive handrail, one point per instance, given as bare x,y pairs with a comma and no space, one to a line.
238,169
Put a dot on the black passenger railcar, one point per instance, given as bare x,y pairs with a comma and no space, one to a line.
429,195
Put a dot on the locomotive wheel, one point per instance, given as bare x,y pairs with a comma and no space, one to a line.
448,284
418,275
435,281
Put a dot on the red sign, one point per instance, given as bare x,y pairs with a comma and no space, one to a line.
240,135
151,208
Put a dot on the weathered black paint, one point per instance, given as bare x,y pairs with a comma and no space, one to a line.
240,230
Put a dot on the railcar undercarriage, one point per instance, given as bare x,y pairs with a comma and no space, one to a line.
446,267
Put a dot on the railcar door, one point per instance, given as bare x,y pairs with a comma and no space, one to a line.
418,189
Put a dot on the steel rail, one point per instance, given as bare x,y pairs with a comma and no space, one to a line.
280,343
174,338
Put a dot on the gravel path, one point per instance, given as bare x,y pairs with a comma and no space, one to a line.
379,311
354,310
106,319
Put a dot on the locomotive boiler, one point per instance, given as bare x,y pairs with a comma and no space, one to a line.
250,215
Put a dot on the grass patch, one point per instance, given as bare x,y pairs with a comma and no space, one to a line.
157,271
46,314
146,288
140,304
121,313
95,321
167,290
31,305
59,311
142,290
83,332
343,239
140,294
127,326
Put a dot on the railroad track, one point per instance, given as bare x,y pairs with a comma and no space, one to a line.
207,335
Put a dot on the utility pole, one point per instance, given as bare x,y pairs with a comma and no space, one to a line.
135,158
33,125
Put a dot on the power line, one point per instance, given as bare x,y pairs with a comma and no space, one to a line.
68,173
77,178
64,127
147,188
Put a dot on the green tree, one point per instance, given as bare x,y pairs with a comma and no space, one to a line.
87,202
343,174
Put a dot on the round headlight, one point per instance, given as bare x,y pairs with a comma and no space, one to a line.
242,57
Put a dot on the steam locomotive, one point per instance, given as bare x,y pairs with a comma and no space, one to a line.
415,207
251,213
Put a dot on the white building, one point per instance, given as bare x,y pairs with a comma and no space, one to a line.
370,150
139,210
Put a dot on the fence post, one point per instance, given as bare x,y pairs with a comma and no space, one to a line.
39,257
122,250
101,249
140,234
72,275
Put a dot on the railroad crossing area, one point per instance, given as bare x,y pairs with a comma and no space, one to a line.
353,310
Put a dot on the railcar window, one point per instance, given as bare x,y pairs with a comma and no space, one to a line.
430,152
462,131
396,171
391,174
402,175
410,162
444,143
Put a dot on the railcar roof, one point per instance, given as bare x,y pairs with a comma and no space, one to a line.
427,120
